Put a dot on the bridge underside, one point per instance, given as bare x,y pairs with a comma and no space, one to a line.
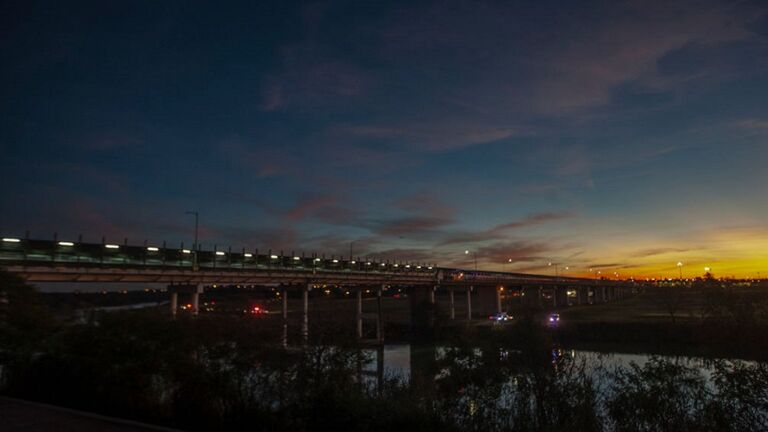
188,276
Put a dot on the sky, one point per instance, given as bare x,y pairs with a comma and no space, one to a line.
616,136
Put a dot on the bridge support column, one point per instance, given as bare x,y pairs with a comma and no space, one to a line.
452,303
193,289
432,294
195,303
539,296
174,304
359,315
305,317
379,317
469,304
284,295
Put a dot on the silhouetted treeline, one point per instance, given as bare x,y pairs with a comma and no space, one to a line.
230,373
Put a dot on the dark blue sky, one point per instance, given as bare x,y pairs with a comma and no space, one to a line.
619,135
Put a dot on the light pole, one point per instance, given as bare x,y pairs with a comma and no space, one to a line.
195,245
680,268
553,264
474,254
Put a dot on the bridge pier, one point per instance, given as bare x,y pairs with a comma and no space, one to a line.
305,312
469,304
194,289
174,303
583,295
379,317
559,297
359,316
554,297
284,295
195,303
452,304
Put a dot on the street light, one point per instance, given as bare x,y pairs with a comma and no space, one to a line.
680,268
197,219
474,254
553,264
195,246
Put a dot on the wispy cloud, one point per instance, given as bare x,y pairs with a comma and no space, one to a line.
499,231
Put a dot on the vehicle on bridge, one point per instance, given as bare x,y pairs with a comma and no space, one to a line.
553,319
500,317
256,310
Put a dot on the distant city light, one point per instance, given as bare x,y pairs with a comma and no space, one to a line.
112,246
248,255
220,253
152,249
11,240
66,243
186,251
296,258
335,261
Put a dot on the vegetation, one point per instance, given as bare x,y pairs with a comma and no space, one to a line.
227,373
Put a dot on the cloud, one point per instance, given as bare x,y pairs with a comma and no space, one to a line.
433,135
308,81
500,231
625,46
752,124
657,251
409,225
518,251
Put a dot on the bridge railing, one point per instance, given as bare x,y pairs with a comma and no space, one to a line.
42,252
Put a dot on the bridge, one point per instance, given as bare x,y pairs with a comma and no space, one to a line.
188,271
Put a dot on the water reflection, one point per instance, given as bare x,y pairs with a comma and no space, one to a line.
400,359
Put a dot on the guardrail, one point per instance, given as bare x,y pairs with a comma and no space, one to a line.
39,252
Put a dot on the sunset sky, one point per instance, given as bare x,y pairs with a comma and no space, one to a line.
622,136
